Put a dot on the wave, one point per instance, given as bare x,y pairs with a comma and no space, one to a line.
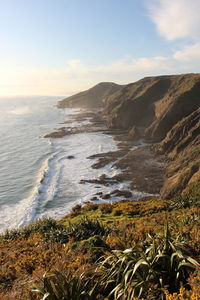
44,191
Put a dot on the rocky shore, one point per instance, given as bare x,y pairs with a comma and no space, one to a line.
135,162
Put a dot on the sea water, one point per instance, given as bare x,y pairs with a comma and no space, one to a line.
37,178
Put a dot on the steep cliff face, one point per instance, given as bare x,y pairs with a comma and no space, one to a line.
165,110
154,104
182,147
92,98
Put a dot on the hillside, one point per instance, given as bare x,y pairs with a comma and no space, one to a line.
160,109
92,98
154,105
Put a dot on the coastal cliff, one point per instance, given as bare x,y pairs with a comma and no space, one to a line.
182,147
163,110
92,98
154,104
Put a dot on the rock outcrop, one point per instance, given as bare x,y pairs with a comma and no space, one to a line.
92,98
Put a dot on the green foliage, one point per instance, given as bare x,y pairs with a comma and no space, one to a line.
94,241
43,226
158,263
55,232
85,229
57,286
142,260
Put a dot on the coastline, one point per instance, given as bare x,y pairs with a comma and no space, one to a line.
135,162
73,245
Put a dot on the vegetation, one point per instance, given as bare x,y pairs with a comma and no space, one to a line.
146,249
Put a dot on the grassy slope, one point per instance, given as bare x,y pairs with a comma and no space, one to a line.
74,244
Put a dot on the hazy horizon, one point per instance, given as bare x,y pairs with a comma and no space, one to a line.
64,47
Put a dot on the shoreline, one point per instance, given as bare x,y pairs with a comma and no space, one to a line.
135,162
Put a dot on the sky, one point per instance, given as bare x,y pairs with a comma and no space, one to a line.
60,47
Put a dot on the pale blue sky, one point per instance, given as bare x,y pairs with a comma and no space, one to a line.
58,47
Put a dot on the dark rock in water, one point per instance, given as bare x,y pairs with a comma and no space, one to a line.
94,199
102,177
114,191
106,196
102,180
122,193
70,156
99,193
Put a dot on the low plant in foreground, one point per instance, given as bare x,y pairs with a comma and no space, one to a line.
160,263
56,286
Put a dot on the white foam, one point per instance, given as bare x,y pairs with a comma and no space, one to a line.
57,186
22,213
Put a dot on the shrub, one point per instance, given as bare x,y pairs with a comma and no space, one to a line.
91,206
57,286
117,212
43,226
160,262
85,229
106,208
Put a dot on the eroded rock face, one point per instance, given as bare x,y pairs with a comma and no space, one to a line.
164,109
182,147
154,104
185,133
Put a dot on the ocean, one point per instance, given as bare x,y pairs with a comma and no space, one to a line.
37,179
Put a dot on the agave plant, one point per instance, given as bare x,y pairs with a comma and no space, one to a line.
163,263
57,286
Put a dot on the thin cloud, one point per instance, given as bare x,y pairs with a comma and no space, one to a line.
176,19
77,76
189,54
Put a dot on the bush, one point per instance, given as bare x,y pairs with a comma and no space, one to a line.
117,212
85,229
57,286
106,208
43,226
157,264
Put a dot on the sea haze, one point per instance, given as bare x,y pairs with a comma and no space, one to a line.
37,179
